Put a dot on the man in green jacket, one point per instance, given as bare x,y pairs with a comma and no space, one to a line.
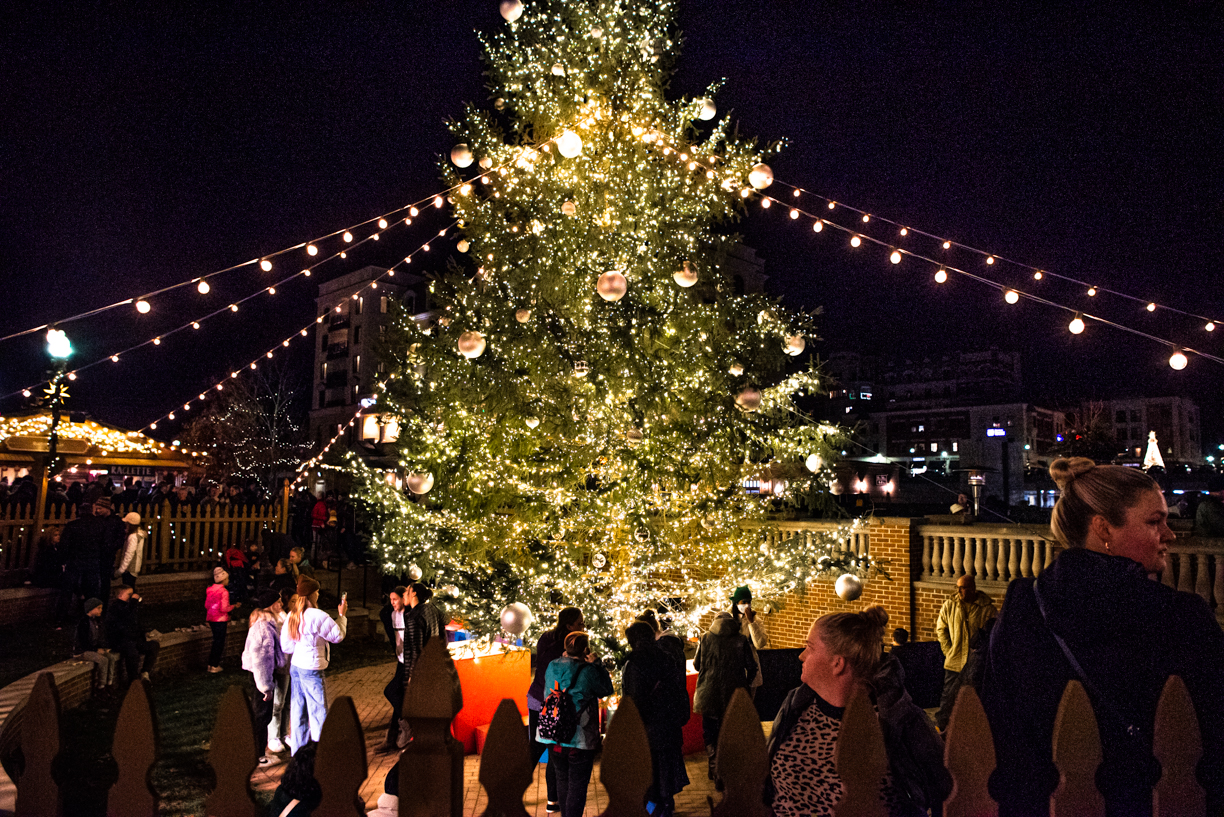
960,617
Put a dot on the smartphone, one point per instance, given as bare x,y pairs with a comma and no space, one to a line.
343,595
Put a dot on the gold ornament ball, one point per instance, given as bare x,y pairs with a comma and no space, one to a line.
612,286
461,155
749,399
795,345
848,587
708,110
568,208
532,422
735,370
463,245
512,10
760,176
420,482
471,344
686,276
634,436
522,315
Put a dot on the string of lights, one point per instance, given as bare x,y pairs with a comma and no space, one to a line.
303,332
991,259
265,262
1012,295
305,467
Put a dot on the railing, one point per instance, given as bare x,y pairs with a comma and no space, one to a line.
1196,565
856,541
182,538
989,553
432,775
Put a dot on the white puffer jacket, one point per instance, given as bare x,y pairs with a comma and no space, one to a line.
311,650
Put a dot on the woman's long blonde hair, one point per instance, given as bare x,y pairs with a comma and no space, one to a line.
298,606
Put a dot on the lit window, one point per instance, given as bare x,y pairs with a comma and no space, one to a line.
955,446
382,304
360,304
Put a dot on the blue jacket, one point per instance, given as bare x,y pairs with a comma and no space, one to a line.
593,684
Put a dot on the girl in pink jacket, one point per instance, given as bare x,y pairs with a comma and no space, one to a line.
217,608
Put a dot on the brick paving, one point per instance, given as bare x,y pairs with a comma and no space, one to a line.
365,687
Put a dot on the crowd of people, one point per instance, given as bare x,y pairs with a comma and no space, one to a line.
133,491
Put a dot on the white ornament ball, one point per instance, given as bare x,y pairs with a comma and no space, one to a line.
569,144
686,276
414,572
597,32
471,344
558,69
568,208
512,10
735,370
532,422
749,399
795,345
515,618
522,315
463,245
461,155
642,535
760,176
813,462
611,286
598,561
708,110
582,368
634,436
849,587
420,482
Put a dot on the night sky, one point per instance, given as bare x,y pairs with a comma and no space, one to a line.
143,144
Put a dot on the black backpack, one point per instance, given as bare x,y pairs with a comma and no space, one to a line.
558,717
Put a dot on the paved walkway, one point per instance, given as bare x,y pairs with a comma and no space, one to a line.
365,687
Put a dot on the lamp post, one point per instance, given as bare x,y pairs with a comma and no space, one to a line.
59,349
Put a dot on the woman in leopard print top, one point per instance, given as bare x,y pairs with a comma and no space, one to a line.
844,650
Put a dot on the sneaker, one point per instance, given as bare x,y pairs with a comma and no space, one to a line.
144,676
214,669
264,760
275,746
552,808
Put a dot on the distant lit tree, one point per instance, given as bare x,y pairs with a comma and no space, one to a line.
1088,434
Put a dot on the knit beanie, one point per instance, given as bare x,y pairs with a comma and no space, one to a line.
307,586
219,575
92,604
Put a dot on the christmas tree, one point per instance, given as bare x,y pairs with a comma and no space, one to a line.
581,415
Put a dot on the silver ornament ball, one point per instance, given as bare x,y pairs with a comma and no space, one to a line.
849,587
515,618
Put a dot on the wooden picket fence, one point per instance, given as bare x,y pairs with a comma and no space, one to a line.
184,538
431,774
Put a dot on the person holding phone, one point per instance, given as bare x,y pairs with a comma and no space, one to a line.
307,636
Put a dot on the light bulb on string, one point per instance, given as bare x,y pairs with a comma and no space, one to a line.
904,232
1037,276
203,287
1151,307
941,276
990,260
818,226
438,202
114,358
265,265
1077,324
233,307
895,257
766,204
1011,296
142,306
947,245
1091,292
382,224
794,214
195,324
832,204
866,218
1210,327
1178,360
855,241
348,237
796,193
311,249
412,211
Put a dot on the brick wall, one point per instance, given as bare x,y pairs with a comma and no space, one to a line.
20,604
930,596
891,541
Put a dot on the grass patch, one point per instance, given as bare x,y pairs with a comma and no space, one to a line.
186,708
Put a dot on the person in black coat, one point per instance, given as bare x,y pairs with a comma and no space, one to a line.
1097,606
549,648
82,543
127,637
392,616
652,680
90,645
724,663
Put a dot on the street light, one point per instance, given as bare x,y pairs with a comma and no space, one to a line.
59,349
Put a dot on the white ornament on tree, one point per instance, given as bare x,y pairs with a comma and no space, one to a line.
461,155
414,572
463,245
642,534
686,276
512,10
532,422
708,110
516,618
420,482
522,315
598,561
760,176
612,286
735,370
795,345
558,69
749,399
486,162
569,144
471,344
813,462
849,587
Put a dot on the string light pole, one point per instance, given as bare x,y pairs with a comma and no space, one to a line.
59,349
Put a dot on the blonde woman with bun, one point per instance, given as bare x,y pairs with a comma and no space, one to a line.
843,653
1098,616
